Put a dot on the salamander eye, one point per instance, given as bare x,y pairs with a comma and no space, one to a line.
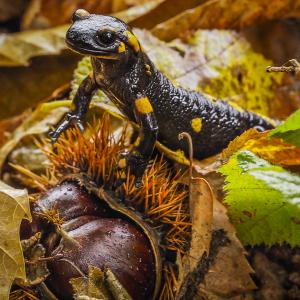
106,37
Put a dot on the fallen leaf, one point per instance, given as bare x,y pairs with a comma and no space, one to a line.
201,214
40,121
289,130
265,39
262,200
36,267
16,49
99,285
225,14
25,87
201,200
230,274
14,207
8,125
45,14
11,9
162,11
216,260
274,150
134,13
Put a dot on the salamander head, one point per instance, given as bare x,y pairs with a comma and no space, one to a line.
103,37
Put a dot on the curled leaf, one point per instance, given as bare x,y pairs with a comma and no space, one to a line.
40,121
215,263
226,14
14,207
201,206
274,150
16,49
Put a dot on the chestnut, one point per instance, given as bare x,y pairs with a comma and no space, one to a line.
112,243
95,234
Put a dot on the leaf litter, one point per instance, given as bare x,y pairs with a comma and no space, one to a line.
227,272
14,205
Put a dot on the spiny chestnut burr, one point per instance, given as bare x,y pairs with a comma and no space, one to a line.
94,235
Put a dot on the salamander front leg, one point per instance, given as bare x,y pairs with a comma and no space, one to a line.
81,104
138,159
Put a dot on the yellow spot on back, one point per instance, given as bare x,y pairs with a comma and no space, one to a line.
196,124
121,48
122,163
143,105
133,41
137,142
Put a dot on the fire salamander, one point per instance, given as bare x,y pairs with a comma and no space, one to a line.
128,77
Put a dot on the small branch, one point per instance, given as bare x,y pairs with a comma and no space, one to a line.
187,136
291,66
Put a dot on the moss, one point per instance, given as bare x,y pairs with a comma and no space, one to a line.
237,72
246,83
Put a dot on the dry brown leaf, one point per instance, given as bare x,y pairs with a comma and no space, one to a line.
45,14
225,14
11,9
201,211
17,48
8,125
14,207
225,272
25,87
40,121
99,285
131,14
216,260
163,11
274,150
229,275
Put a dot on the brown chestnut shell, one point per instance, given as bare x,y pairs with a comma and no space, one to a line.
102,212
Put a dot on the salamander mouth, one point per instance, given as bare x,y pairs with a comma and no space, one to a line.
97,53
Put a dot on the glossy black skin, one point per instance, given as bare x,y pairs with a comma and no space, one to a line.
130,75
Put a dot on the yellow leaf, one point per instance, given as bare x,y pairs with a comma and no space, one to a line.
40,121
225,14
274,150
14,205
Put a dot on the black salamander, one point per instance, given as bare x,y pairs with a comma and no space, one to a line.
128,77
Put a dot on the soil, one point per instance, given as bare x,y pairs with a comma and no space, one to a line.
277,272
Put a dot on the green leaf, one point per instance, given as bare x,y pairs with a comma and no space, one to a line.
289,130
263,200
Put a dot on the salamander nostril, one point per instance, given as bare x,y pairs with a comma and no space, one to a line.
80,14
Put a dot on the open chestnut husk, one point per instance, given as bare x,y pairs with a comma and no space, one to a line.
96,232
98,218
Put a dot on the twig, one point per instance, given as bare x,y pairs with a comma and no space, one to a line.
291,66
181,136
